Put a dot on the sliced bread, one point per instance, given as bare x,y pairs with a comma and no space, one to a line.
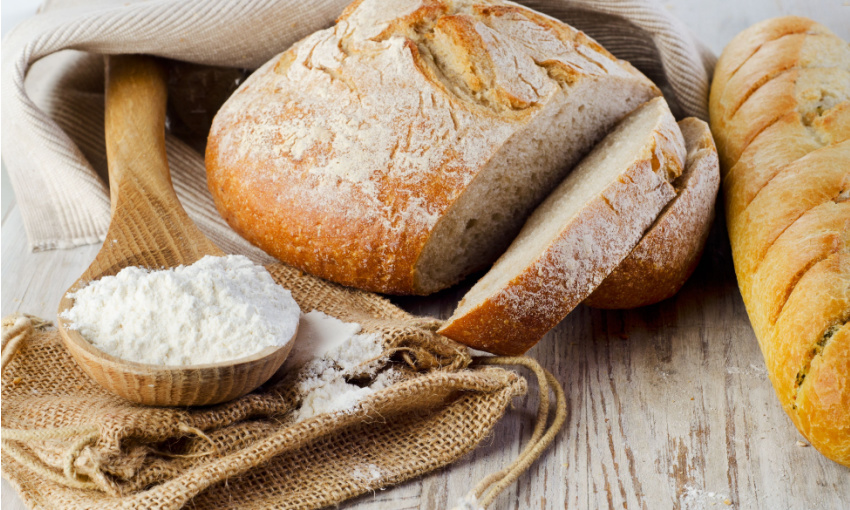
577,236
403,148
671,249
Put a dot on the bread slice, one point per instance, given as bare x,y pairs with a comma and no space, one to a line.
577,236
403,148
670,250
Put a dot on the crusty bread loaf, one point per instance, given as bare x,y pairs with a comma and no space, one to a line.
670,250
402,149
577,236
780,112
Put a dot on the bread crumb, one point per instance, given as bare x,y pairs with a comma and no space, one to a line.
727,502
17,380
802,444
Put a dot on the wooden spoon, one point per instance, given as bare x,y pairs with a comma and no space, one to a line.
150,229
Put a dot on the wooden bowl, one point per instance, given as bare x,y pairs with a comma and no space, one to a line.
150,229
161,385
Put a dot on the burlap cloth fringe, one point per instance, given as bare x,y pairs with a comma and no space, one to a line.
53,106
68,443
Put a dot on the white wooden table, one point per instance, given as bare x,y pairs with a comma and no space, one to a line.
669,406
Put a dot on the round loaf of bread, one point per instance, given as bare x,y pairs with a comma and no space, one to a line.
403,148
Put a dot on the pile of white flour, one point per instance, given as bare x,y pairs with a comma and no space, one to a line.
217,309
326,352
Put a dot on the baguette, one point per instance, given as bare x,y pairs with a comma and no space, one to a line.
577,236
671,249
402,149
780,112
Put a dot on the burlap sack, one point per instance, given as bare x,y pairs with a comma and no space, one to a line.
68,443
53,128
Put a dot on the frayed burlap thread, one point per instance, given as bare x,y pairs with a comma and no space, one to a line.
68,443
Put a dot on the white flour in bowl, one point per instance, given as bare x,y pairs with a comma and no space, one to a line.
215,310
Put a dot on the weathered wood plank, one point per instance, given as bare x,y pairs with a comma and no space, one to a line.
34,282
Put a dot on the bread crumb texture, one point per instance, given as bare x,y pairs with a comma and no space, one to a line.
342,154
576,238
669,251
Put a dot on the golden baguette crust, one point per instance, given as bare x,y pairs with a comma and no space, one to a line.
819,233
787,140
819,301
780,113
748,42
822,400
671,249
794,90
345,154
513,317
760,54
814,179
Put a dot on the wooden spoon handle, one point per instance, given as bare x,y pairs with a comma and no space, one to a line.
135,126
145,210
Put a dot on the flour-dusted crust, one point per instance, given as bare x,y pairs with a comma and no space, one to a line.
780,112
671,249
509,318
369,153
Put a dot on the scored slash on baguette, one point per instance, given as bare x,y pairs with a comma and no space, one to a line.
577,236
671,249
814,179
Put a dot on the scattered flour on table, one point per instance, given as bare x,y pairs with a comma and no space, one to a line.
327,351
752,370
695,498
217,309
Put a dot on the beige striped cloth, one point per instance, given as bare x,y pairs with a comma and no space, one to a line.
52,88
